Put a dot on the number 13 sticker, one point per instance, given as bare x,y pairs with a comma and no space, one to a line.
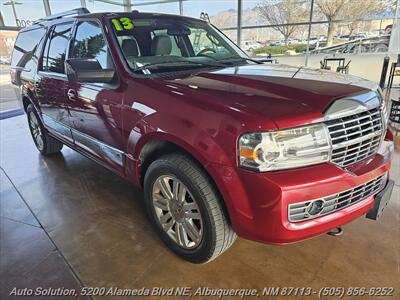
123,24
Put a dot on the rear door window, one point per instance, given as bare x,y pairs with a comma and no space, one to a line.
56,47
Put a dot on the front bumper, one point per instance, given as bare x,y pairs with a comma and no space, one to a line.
258,202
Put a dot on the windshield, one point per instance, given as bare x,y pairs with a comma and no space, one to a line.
165,44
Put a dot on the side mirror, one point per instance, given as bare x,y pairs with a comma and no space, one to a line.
87,70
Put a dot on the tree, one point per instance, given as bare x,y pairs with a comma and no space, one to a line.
331,10
355,10
352,26
281,13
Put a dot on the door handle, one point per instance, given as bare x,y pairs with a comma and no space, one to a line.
72,95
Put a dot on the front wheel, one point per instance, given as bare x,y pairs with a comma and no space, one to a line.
45,143
186,210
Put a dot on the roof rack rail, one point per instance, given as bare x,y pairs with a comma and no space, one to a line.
68,13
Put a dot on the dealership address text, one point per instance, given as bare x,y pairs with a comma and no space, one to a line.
338,292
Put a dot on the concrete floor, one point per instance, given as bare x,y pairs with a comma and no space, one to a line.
67,222
7,95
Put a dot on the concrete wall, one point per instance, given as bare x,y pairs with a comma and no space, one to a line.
368,66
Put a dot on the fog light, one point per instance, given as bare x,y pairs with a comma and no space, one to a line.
315,207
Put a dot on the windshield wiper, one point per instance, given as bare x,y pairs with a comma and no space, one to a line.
237,58
178,62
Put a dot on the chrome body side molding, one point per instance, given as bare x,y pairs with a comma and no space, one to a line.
84,141
97,148
58,128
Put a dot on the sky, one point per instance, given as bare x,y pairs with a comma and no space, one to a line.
34,9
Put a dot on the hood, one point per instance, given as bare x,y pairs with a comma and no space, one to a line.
289,96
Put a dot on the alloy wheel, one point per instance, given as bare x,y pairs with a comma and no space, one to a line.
36,130
177,212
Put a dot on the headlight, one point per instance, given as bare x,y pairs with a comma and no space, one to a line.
284,149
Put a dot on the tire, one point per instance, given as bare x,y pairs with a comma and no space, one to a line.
45,143
200,212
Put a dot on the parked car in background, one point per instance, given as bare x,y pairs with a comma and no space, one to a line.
358,36
313,40
222,145
388,30
378,44
317,42
250,45
265,44
345,36
294,42
278,43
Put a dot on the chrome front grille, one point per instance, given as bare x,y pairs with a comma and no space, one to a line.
304,210
355,137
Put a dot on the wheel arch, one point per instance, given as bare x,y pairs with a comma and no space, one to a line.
26,100
154,147
155,144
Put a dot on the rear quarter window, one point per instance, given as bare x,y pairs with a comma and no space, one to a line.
25,46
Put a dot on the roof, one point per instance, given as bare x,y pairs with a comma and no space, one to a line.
136,14
81,13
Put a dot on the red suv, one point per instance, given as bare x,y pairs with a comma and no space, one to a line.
223,145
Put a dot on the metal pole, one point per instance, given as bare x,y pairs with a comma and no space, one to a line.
13,3
385,67
47,7
309,33
257,39
14,10
239,22
394,43
181,7
127,6
83,3
1,20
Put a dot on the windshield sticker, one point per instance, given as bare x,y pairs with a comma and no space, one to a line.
122,24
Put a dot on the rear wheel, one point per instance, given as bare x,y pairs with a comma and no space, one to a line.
186,210
45,143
